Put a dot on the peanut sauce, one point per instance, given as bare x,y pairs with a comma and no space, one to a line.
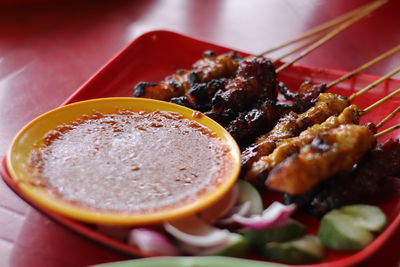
135,162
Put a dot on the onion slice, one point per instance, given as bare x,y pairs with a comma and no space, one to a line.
196,232
152,241
274,214
242,210
248,202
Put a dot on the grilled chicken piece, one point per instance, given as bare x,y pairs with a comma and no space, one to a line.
331,152
292,125
366,181
204,70
287,147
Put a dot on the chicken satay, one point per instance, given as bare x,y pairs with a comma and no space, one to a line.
366,181
254,80
287,147
331,152
305,97
292,125
204,70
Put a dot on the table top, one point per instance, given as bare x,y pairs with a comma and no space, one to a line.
48,50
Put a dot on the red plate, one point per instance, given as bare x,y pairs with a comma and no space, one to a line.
154,55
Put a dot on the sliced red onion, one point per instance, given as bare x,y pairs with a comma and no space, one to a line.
274,214
152,241
222,207
195,232
242,210
248,203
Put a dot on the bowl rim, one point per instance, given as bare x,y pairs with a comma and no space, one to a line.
42,197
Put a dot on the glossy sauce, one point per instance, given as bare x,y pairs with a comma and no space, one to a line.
131,161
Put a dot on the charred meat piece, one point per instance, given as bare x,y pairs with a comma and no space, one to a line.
287,147
292,125
330,153
199,96
248,125
365,182
254,80
204,70
306,95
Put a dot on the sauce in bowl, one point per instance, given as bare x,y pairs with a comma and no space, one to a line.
134,162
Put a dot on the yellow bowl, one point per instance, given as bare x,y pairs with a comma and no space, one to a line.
32,135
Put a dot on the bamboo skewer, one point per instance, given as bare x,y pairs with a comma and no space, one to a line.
333,33
388,130
374,84
365,66
319,28
386,98
388,117
294,50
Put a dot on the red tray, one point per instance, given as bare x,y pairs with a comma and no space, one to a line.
156,54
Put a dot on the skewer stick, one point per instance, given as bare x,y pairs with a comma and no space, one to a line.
332,34
386,98
294,50
319,28
365,66
388,130
374,84
388,117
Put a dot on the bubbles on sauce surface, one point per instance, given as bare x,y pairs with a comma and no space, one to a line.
132,161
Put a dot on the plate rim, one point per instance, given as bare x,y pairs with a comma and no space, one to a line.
355,258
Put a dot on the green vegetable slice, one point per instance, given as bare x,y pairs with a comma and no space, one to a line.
349,228
306,249
286,231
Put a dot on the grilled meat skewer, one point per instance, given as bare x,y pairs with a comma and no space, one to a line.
255,79
287,147
331,152
204,70
292,125
365,181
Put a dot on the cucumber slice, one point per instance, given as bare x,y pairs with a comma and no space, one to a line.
287,230
214,261
249,193
369,217
306,249
237,246
339,231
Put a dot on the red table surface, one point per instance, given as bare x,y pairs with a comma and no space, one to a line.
47,50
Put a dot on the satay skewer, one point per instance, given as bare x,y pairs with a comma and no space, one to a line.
265,144
333,33
289,146
319,29
330,153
